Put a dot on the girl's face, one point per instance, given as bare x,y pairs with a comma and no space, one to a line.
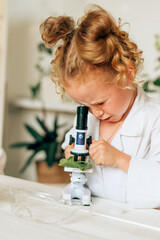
105,101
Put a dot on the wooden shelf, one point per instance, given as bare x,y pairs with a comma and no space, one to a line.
26,103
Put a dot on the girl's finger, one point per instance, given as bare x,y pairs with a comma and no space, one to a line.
95,144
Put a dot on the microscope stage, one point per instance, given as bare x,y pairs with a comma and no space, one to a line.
70,169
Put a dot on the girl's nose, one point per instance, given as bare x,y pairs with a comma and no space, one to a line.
96,111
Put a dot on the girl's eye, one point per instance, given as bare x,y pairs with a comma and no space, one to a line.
100,103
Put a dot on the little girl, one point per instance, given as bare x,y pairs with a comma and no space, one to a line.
96,65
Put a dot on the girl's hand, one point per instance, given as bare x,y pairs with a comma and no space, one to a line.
68,151
103,153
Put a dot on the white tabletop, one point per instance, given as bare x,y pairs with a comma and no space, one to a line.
103,220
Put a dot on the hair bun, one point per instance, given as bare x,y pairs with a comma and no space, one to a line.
95,36
54,29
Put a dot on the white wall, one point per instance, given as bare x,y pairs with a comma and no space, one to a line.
24,18
3,42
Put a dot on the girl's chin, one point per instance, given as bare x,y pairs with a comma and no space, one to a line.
111,119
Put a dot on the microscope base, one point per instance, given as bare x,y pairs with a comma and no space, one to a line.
76,192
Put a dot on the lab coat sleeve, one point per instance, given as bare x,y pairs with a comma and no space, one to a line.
143,184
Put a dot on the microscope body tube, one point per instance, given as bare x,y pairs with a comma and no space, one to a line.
81,132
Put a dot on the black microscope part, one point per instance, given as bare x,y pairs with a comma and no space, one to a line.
82,113
71,140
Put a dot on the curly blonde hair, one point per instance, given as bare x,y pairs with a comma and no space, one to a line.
96,42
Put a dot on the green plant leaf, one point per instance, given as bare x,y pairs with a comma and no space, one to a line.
55,124
74,164
19,145
42,48
30,146
145,86
35,145
157,82
42,124
35,89
51,154
34,133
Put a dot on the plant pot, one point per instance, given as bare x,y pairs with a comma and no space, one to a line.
54,174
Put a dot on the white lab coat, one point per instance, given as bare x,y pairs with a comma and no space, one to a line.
139,137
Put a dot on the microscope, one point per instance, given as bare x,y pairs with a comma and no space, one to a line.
76,192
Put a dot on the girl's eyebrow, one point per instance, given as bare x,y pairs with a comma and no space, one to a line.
98,101
93,103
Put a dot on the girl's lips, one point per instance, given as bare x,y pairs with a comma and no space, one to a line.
106,119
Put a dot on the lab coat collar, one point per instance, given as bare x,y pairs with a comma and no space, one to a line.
134,123
132,126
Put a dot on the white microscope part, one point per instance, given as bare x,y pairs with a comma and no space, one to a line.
80,148
76,190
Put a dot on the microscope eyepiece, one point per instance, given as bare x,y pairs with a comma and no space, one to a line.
82,113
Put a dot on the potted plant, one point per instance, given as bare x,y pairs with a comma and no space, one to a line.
47,142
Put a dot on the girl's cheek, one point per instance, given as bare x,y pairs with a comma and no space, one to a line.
106,107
